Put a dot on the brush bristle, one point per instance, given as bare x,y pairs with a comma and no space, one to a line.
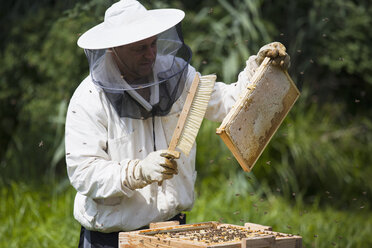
196,114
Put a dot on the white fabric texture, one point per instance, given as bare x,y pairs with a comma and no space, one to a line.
101,147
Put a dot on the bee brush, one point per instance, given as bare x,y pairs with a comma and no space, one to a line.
192,114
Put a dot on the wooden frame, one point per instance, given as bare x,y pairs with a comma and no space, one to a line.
264,237
258,113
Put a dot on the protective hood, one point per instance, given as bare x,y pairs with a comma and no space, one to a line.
163,85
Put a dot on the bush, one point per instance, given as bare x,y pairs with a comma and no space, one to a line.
314,153
43,66
329,46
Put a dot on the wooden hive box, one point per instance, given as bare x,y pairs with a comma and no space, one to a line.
258,113
209,234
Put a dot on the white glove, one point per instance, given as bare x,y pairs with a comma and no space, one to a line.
156,167
275,51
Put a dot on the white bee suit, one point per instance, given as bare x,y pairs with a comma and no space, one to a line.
100,147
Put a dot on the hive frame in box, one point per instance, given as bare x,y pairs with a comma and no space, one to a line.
266,239
257,114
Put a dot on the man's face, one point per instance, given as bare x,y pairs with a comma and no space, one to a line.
136,59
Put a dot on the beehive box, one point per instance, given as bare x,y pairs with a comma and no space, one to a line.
258,113
209,234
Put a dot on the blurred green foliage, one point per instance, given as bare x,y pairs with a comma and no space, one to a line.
327,156
329,44
41,68
319,158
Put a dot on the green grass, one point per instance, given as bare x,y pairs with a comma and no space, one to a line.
37,217
234,201
42,216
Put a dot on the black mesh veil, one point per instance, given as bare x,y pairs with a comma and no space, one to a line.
165,84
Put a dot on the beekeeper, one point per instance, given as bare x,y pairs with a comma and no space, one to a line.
121,118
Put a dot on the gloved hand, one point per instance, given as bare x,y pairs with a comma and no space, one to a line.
275,51
156,167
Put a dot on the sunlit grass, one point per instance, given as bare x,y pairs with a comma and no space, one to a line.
232,200
37,217
42,216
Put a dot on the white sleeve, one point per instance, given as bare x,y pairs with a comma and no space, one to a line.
89,167
225,95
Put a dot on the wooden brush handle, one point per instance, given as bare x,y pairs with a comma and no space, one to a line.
170,154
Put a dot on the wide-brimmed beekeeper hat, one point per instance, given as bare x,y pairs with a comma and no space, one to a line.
128,21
